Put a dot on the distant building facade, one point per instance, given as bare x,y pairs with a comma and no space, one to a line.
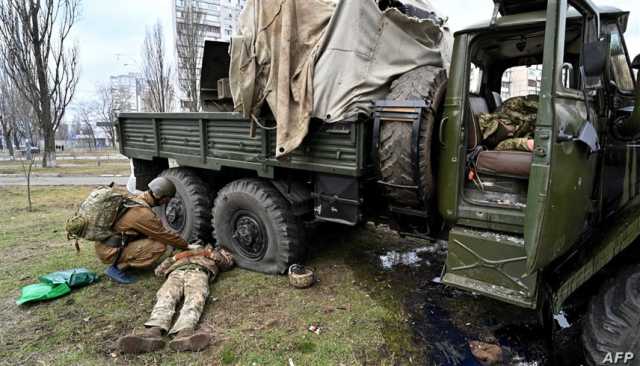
218,23
127,91
521,81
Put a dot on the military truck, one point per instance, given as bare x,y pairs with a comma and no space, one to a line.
534,229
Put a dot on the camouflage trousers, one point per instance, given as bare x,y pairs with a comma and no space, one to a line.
193,284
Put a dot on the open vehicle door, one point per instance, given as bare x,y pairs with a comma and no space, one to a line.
564,169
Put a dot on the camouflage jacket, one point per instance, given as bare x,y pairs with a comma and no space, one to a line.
209,259
513,122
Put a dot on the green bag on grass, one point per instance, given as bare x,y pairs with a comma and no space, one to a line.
41,292
56,284
73,277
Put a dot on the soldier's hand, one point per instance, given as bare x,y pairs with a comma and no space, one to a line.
198,244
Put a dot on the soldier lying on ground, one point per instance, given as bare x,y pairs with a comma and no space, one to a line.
188,274
511,127
147,239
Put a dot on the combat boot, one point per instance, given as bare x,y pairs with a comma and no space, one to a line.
190,340
148,340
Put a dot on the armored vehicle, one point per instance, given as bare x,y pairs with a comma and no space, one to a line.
532,228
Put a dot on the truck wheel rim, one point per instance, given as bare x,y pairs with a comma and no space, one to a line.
175,214
249,235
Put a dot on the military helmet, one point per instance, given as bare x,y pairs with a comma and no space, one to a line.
301,276
75,227
162,187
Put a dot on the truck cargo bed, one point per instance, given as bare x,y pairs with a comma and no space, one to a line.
217,140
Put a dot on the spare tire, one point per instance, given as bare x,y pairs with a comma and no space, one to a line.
189,211
396,167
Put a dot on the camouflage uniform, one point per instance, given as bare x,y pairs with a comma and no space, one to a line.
188,274
512,125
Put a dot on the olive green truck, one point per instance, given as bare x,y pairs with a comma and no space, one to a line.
536,229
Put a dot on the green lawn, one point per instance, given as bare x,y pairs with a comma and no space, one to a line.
257,319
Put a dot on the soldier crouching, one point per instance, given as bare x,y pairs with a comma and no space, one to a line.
187,275
147,238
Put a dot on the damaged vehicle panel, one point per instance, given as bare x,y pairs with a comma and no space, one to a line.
537,191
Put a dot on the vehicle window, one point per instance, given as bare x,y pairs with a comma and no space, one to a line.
521,81
570,78
475,82
621,71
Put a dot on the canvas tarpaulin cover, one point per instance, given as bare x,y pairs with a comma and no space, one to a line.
328,59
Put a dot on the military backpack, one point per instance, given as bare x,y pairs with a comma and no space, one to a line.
97,213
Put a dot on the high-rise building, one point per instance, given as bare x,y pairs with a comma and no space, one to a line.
521,81
216,20
127,92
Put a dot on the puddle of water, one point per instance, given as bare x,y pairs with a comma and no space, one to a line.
412,258
393,258
561,319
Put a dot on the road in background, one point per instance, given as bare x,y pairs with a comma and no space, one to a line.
16,180
78,157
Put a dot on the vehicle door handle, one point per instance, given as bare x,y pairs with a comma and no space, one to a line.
443,123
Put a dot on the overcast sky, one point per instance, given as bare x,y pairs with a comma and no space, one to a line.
110,36
110,33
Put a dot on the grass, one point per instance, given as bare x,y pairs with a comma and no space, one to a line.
257,319
81,166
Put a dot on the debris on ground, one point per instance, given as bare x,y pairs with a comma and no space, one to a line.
314,329
487,354
301,277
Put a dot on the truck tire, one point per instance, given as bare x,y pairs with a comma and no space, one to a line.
396,168
189,212
254,221
612,323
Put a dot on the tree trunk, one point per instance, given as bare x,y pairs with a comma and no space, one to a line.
113,137
49,154
7,140
45,117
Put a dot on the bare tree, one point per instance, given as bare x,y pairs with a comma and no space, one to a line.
27,168
7,134
110,103
6,114
85,118
38,59
190,33
157,72
16,115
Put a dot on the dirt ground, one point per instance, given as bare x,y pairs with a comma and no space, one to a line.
377,302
